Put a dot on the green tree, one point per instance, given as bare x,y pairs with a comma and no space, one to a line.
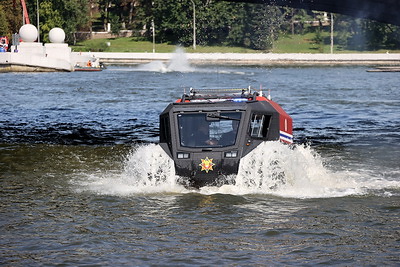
115,24
295,21
125,10
342,26
49,18
265,26
362,34
237,24
393,38
381,36
13,16
4,29
222,22
73,14
173,21
113,13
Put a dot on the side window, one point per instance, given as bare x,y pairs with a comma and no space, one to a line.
259,125
165,131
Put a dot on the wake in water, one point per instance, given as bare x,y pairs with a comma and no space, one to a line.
177,63
147,170
180,63
272,168
291,172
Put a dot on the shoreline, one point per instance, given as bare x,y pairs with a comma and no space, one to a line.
267,59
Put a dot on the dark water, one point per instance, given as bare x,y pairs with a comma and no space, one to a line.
77,155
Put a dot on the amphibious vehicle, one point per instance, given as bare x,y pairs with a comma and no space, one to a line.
207,132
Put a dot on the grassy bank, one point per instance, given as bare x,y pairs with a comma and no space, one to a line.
286,44
133,45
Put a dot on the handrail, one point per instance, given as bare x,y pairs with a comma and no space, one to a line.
220,93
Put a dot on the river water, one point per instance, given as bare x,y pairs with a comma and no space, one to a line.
78,150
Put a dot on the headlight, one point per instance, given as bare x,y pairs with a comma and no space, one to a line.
182,155
231,154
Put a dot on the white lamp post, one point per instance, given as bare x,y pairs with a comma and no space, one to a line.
37,15
194,25
331,33
154,35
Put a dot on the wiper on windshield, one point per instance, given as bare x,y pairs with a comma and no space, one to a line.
217,116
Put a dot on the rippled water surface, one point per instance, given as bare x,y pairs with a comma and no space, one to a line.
78,157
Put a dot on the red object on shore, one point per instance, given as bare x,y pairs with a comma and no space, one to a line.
4,43
25,12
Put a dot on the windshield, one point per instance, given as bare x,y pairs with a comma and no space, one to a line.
208,129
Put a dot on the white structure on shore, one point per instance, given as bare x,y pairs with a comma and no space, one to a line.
29,56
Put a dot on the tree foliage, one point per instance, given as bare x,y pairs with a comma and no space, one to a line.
235,24
50,18
362,34
70,15
227,23
265,26
254,26
10,17
3,23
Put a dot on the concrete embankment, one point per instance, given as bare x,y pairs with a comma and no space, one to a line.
253,59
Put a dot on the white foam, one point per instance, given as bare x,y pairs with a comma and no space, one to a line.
155,66
180,63
177,63
148,170
275,168
272,168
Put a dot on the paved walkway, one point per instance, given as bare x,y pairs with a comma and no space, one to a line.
252,59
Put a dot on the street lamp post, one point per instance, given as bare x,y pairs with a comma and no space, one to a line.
194,25
154,35
153,28
37,17
331,33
